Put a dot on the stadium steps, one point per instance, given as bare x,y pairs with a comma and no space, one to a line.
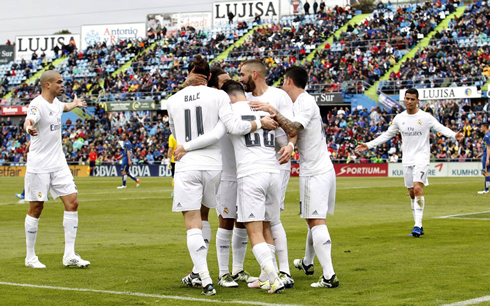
238,43
372,91
355,20
37,75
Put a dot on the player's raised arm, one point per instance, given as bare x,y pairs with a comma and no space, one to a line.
76,103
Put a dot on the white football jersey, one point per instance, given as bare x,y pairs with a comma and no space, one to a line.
281,101
254,152
46,152
194,111
415,131
312,146
229,161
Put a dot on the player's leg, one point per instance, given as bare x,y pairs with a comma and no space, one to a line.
420,179
239,242
63,186
486,175
251,203
21,195
318,199
36,187
226,203
278,232
172,169
134,178
305,264
124,174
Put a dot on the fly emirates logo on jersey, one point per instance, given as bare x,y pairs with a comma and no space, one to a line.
55,126
408,131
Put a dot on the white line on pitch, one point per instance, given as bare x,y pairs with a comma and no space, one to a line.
170,297
467,214
471,302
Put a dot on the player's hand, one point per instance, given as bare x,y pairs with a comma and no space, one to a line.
266,107
179,152
195,79
459,136
79,102
32,131
361,147
286,153
268,123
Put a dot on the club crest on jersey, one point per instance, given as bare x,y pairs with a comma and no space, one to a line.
226,210
33,110
39,194
419,122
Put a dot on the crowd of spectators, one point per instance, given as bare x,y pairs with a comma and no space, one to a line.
366,51
288,42
456,56
148,135
344,129
158,72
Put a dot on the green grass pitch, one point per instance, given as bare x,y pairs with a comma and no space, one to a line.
136,244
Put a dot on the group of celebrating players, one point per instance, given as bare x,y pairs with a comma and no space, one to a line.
235,143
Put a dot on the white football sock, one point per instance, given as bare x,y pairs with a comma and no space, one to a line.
412,201
239,243
309,250
70,224
419,210
197,250
263,255
273,251
206,235
323,249
31,224
281,244
223,239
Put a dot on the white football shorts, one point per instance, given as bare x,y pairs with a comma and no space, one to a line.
58,183
258,197
193,188
317,195
226,199
417,173
285,174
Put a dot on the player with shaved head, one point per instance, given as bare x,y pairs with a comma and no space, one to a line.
47,170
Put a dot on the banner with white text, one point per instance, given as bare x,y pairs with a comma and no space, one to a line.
470,169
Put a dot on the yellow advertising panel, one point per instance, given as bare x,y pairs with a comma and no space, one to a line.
76,171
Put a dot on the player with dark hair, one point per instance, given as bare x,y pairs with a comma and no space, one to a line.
127,162
195,111
317,176
252,76
414,125
485,157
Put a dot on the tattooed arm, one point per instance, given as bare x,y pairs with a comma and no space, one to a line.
290,127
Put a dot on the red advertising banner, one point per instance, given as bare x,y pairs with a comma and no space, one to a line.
294,169
353,170
14,110
358,170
